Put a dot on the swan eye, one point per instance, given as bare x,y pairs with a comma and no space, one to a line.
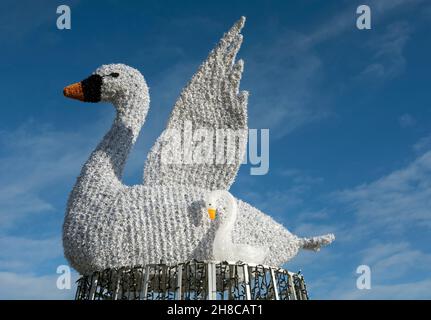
114,74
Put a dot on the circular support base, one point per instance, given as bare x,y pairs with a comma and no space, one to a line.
193,280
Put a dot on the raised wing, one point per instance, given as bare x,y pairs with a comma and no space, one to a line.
206,135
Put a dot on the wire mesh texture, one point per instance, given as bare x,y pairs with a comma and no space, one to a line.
193,280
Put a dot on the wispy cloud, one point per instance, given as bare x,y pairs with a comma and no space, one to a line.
27,270
370,222
37,163
286,95
34,159
292,87
387,208
397,272
394,260
388,57
30,286
423,144
299,177
410,290
21,19
398,201
406,120
345,20
21,254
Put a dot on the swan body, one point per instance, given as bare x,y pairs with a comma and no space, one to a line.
110,225
223,247
173,226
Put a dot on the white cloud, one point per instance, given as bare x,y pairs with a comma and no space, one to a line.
292,91
35,159
16,205
406,120
299,177
20,264
386,209
29,286
423,144
389,261
20,20
398,271
345,19
388,51
286,95
36,164
24,254
415,290
338,289
396,202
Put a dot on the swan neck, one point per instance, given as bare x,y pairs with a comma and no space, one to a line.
132,110
106,164
231,210
223,238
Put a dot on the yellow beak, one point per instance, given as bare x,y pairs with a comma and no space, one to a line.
212,213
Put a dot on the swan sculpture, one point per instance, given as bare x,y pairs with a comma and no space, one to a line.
109,225
223,247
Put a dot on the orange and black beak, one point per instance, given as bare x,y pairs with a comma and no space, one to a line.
88,90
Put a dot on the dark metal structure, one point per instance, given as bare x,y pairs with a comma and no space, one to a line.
193,280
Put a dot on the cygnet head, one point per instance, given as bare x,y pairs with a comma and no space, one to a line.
218,203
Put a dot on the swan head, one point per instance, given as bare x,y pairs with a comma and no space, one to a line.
211,204
109,83
219,199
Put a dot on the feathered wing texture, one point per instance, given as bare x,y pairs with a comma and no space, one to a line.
212,101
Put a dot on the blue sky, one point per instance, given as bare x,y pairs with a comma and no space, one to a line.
348,111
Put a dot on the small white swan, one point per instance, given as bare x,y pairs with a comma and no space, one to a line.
223,247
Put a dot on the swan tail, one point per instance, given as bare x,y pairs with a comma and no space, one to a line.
315,243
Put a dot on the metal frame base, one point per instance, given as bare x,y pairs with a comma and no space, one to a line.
193,280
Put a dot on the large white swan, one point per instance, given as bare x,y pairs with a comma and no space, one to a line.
109,224
223,247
